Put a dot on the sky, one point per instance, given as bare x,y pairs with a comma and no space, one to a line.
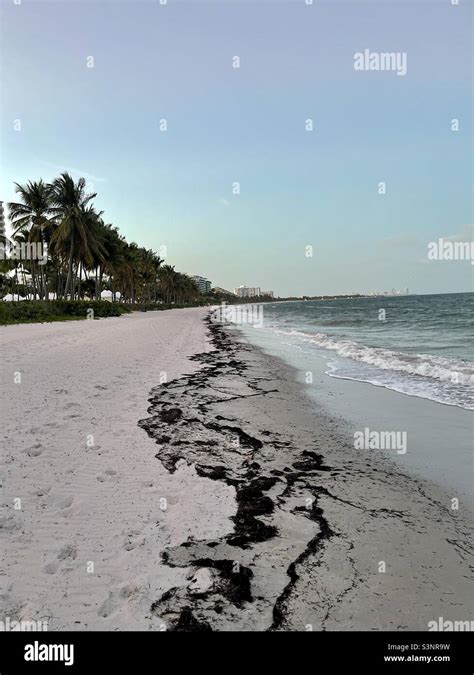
175,190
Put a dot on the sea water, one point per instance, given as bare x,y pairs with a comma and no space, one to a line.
417,345
388,364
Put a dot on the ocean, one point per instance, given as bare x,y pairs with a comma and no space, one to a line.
418,345
402,364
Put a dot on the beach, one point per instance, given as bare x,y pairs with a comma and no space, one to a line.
97,504
171,476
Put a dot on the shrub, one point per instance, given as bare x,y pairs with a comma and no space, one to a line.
29,311
101,308
56,310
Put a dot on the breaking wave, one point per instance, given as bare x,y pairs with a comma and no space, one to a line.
441,379
456,371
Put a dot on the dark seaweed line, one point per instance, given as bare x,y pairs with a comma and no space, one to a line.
315,545
251,502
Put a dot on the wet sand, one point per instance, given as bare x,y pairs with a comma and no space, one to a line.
324,537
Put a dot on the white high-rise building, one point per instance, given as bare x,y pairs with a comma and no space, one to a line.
247,292
2,221
203,284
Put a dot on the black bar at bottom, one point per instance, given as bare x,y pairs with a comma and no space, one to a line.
106,652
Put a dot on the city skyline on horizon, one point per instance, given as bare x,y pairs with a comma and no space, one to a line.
238,180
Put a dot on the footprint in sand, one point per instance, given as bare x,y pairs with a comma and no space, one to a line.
117,598
34,450
134,538
9,523
68,506
51,567
67,553
172,499
108,475
66,502
109,606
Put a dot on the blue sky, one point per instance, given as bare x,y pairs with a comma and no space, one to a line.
298,188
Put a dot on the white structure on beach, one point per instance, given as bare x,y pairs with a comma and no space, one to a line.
109,296
13,298
19,272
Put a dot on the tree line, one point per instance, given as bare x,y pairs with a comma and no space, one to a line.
85,255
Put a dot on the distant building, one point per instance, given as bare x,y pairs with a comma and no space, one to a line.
247,292
2,222
203,284
218,289
251,292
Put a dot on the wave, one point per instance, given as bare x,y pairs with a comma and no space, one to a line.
442,369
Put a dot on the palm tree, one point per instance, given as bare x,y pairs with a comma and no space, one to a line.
91,254
31,218
114,245
70,206
34,209
168,280
84,251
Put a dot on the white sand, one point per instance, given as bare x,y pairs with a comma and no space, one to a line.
99,504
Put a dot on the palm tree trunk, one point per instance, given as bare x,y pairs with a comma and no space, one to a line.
41,290
79,285
69,270
101,274
33,279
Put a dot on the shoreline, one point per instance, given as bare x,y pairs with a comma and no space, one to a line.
297,511
251,513
435,432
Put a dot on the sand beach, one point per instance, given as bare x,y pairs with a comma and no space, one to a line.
159,473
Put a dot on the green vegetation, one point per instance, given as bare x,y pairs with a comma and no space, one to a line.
231,299
73,255
82,256
29,311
